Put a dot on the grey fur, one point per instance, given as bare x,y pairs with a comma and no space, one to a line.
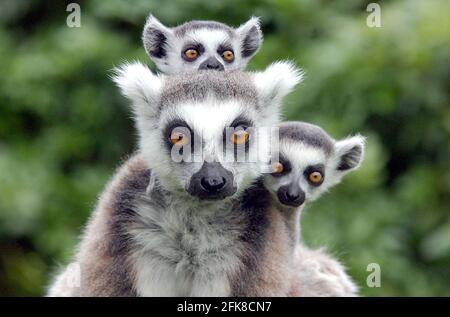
193,25
307,133
197,86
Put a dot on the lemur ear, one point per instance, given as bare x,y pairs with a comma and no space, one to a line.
276,81
141,86
155,37
251,37
349,153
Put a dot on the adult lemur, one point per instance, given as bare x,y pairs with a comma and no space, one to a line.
175,237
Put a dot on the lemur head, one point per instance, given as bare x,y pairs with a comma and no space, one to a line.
310,162
197,45
192,126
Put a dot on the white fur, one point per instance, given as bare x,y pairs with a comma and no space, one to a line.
277,81
209,276
140,85
317,274
66,282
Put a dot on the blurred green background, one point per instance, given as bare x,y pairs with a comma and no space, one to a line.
64,127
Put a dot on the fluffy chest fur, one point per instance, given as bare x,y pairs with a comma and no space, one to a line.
159,245
183,249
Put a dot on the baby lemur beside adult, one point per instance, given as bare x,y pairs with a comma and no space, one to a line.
310,163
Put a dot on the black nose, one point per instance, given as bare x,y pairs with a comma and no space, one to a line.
213,184
291,195
211,63
212,66
212,181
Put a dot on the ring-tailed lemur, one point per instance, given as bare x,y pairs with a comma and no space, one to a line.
174,237
197,45
310,163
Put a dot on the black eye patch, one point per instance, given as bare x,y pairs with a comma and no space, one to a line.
241,121
192,46
238,142
182,127
320,168
224,47
286,167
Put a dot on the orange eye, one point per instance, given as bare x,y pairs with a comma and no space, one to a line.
315,177
178,138
228,56
277,168
240,137
191,54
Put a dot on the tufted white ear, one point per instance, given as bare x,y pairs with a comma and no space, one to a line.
141,86
155,38
250,36
277,81
349,153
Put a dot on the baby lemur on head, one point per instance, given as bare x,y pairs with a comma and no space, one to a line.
198,45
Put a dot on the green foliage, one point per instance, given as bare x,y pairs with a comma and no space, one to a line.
64,127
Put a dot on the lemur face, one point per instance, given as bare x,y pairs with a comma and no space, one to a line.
199,45
310,163
193,127
200,139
